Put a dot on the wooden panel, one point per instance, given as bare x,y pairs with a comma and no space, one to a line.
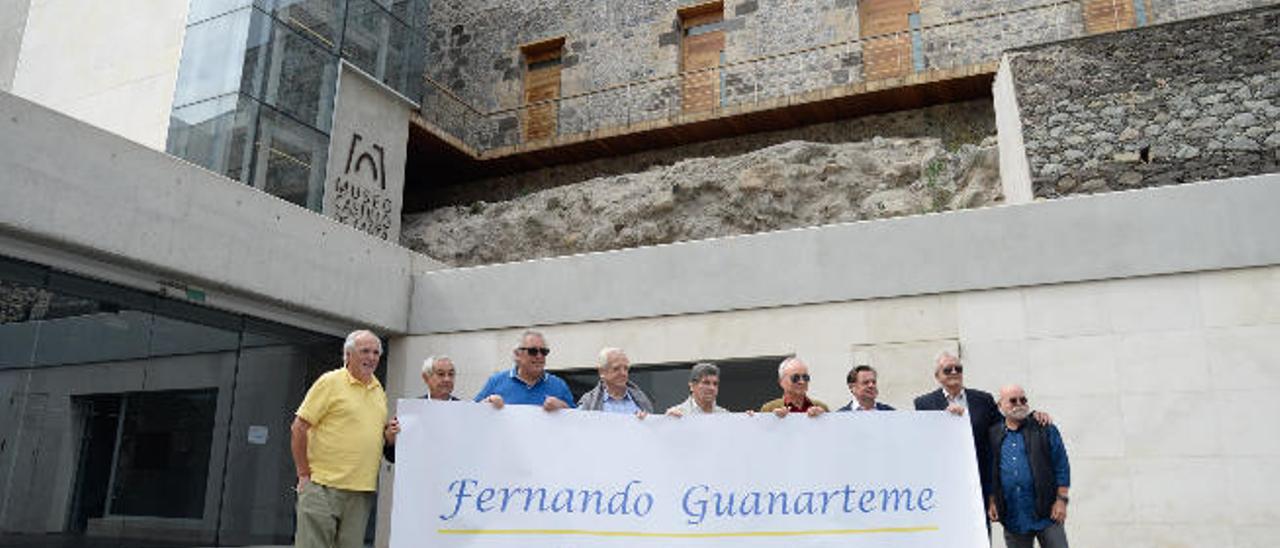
886,42
701,89
1108,15
700,14
884,16
541,83
888,56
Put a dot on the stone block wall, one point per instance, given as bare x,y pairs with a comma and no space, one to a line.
964,32
1176,103
621,59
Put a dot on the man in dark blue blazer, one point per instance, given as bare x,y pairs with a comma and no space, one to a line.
981,408
863,386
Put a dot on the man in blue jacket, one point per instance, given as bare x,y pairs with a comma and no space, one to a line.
1030,476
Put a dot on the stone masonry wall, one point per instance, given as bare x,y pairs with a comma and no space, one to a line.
624,56
1183,102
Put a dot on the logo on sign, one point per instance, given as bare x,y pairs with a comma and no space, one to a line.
367,161
359,197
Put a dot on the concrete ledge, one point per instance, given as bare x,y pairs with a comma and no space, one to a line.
1205,226
70,188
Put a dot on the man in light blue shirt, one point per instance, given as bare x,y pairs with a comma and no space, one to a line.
616,393
528,382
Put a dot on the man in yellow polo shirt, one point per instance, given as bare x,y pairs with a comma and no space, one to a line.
337,439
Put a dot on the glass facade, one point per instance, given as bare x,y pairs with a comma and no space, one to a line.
131,419
257,81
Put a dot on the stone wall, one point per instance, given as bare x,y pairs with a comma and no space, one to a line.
621,59
953,124
1183,102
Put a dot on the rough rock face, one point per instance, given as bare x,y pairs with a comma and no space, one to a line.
17,302
790,185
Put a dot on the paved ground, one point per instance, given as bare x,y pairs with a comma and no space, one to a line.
77,541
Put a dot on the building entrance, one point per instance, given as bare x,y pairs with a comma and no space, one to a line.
138,419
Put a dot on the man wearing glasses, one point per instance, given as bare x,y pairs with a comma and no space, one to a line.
793,376
981,408
527,383
1031,476
954,398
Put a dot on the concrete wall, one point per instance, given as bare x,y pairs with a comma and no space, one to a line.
13,24
1143,321
83,194
1015,174
110,66
1162,105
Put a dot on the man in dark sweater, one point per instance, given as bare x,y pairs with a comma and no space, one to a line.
1030,476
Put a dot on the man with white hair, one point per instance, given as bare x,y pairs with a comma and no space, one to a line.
438,372
954,398
793,377
336,438
528,382
1031,476
615,392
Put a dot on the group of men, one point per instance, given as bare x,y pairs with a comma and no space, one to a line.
342,428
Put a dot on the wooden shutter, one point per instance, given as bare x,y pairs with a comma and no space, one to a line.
700,54
886,40
541,88
1108,15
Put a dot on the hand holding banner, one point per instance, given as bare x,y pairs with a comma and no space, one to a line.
470,475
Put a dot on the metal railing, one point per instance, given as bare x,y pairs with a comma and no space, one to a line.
742,84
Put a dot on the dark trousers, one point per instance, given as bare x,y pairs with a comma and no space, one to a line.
1053,536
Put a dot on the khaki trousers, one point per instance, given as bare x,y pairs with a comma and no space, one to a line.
329,517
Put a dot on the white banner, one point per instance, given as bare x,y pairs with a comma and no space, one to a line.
470,475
